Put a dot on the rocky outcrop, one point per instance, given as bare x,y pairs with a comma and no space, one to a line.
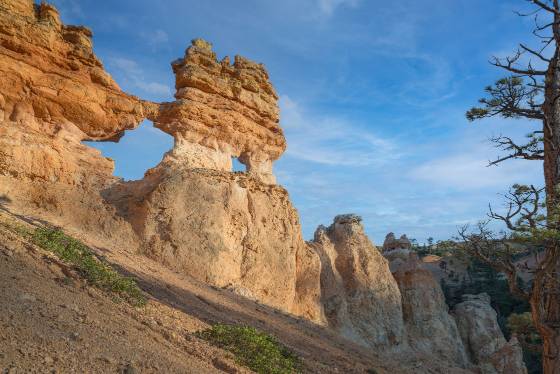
429,327
193,214
471,339
225,229
55,93
231,230
237,231
483,338
392,243
50,73
223,111
360,297
398,252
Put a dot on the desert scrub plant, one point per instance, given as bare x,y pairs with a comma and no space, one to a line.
95,271
252,348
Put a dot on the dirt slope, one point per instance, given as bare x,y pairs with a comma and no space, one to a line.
52,321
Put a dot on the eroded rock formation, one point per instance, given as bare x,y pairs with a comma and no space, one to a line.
483,338
232,230
223,111
469,336
392,243
237,231
53,88
360,297
429,327
226,229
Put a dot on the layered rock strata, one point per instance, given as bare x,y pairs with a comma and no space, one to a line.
55,93
223,110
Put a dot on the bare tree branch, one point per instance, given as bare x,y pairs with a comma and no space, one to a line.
535,53
511,61
545,7
493,251
531,151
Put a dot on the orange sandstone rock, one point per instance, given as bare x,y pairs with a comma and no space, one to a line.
50,74
223,111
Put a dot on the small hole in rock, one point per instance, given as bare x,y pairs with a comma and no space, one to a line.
237,166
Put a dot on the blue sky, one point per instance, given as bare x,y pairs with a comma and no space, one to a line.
372,97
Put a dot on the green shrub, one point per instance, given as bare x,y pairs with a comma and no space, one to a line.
258,351
96,272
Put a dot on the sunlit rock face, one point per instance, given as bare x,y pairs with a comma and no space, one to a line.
223,110
192,213
54,93
237,231
50,73
226,229
361,299
481,334
232,230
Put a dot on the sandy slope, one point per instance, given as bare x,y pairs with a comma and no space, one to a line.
49,321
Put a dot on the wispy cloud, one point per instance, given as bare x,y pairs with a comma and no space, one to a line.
332,141
327,7
134,75
470,171
156,39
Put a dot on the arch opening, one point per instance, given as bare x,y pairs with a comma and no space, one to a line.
137,151
237,166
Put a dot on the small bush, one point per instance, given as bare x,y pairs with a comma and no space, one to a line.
258,351
90,267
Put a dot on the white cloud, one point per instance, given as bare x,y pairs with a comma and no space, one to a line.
154,88
331,140
128,66
135,76
327,7
470,171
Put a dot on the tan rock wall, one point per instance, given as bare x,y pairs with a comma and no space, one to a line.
429,327
361,299
225,229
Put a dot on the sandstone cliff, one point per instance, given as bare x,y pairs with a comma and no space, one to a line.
429,327
191,213
54,94
223,111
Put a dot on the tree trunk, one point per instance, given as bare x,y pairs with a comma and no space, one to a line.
551,346
545,296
